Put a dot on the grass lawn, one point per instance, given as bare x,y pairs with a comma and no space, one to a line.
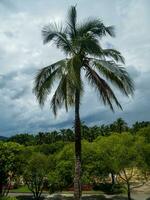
23,189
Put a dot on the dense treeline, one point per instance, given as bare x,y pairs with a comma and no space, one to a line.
115,159
67,135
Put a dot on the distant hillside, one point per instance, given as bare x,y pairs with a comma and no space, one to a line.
3,138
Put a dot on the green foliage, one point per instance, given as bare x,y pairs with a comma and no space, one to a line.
49,148
119,126
35,174
119,155
61,169
138,125
113,153
145,132
23,139
10,164
54,183
116,152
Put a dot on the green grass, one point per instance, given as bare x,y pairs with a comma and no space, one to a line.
23,189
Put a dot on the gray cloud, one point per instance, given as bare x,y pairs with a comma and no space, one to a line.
7,4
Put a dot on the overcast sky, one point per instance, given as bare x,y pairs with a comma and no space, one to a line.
22,53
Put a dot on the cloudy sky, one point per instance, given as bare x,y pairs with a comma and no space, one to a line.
22,53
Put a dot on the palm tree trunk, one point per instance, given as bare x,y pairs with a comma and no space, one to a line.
77,176
129,191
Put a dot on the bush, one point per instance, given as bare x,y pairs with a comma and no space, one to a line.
118,189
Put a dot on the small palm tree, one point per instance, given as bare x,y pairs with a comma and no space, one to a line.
84,56
119,125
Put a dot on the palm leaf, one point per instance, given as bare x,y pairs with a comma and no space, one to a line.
116,74
102,87
113,54
59,37
72,20
88,44
64,94
45,78
95,27
74,72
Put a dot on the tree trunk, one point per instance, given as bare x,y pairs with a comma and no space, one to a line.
113,180
77,176
1,189
129,191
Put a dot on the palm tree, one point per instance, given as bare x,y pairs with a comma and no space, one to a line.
119,125
84,56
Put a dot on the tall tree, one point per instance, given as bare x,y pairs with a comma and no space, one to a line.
119,126
84,56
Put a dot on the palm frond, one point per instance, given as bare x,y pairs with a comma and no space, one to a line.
72,20
58,36
95,27
88,44
45,78
116,74
74,72
102,87
113,54
50,31
110,30
64,94
63,43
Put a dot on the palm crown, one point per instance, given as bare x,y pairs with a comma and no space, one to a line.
81,45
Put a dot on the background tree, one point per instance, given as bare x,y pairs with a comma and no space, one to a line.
89,133
35,174
67,135
107,150
144,132
61,169
80,43
105,130
120,156
24,139
138,125
10,163
49,149
119,126
88,162
128,160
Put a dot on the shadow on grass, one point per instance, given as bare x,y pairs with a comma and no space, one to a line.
29,197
